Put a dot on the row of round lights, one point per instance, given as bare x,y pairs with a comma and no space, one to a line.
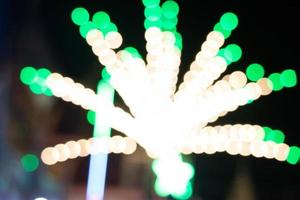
83,148
68,90
207,67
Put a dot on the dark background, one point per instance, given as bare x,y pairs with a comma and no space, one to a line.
40,33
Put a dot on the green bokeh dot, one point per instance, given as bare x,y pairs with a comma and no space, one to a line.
151,3
170,9
27,75
233,52
255,71
36,88
293,155
277,136
229,21
29,162
80,16
43,73
101,19
91,116
153,13
288,78
275,79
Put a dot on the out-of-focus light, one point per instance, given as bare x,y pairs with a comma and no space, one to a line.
293,155
91,117
233,52
225,33
255,72
275,79
28,74
229,21
86,27
151,3
40,198
170,9
101,19
29,162
80,16
288,78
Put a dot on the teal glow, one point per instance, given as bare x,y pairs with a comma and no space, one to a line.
80,16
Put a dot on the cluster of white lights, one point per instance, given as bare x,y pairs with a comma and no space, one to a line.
83,147
235,139
161,118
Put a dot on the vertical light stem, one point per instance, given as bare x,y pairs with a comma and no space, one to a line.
98,163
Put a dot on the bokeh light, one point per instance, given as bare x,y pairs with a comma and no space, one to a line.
29,162
229,21
276,81
288,78
80,16
255,71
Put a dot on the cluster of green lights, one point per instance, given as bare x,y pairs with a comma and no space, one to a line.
29,162
228,22
294,155
163,17
276,136
231,53
288,78
35,79
100,20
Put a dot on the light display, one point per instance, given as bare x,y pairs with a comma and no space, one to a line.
164,119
